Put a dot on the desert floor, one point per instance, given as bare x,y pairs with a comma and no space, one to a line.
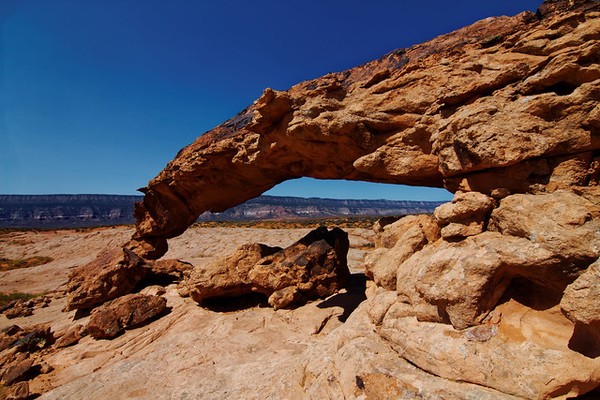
230,350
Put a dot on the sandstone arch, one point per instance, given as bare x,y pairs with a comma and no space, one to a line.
502,105
496,294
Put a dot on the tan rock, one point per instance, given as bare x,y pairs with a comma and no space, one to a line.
581,299
112,318
314,267
561,222
404,237
507,103
112,274
460,282
18,309
355,362
470,206
16,371
73,334
18,391
490,357
464,216
117,272
580,304
454,231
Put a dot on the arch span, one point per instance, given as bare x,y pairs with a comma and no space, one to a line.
460,111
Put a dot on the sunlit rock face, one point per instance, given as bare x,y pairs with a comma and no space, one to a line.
506,105
494,296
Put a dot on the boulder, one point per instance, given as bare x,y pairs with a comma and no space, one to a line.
111,319
113,273
117,272
18,391
580,303
16,371
19,309
72,335
314,267
396,243
562,222
464,216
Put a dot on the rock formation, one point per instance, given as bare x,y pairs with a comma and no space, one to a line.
495,295
512,308
313,267
114,273
506,105
112,318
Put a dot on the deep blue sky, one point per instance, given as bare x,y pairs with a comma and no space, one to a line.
96,96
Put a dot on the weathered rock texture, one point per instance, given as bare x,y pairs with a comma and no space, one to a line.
314,267
116,273
496,294
510,311
506,105
112,318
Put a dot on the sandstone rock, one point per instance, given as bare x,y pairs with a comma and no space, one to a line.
508,103
459,283
354,362
314,267
115,273
226,277
18,391
153,290
580,304
16,371
174,269
404,237
73,334
381,223
110,319
492,358
581,299
112,274
18,309
562,222
464,216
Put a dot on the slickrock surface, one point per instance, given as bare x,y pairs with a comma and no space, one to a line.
176,351
494,296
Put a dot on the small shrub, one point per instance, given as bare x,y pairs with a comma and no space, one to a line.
7,265
6,298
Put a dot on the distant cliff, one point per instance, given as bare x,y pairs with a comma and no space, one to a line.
61,211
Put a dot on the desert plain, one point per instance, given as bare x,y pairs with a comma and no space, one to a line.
228,349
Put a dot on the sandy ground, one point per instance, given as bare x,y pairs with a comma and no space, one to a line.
192,352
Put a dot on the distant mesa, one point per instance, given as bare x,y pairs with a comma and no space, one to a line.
77,211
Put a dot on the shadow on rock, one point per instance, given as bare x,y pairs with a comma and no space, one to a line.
238,303
351,298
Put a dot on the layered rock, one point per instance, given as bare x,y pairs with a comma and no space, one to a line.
111,319
510,311
506,105
314,267
114,273
495,295
20,359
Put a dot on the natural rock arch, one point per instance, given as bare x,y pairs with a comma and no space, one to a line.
490,107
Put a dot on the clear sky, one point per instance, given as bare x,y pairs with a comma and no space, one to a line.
96,96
